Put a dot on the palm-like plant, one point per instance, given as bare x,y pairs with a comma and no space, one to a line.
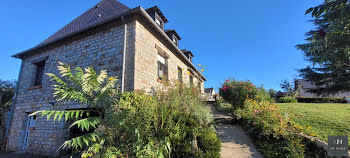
97,92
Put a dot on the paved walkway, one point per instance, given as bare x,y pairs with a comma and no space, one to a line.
236,143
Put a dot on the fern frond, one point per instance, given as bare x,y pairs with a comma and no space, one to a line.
66,71
56,79
69,94
102,76
87,123
81,141
78,72
58,115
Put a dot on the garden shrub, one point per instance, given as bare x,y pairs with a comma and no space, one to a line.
321,100
172,123
208,139
275,134
236,92
224,107
287,100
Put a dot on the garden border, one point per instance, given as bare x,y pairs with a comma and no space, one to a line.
317,141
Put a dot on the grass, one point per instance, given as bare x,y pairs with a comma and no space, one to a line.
324,119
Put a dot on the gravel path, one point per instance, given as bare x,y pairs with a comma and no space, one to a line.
236,143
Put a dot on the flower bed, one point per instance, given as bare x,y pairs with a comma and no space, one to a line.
275,133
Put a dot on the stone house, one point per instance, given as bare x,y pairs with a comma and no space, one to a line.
210,94
304,86
129,43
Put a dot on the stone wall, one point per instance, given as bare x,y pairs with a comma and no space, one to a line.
101,47
146,60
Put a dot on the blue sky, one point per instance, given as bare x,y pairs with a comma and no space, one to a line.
233,39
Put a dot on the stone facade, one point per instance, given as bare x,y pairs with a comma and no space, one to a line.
147,47
102,47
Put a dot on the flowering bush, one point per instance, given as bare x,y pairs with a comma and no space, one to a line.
274,132
236,92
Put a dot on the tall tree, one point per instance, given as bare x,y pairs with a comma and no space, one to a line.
328,48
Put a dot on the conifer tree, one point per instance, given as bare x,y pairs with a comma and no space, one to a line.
328,48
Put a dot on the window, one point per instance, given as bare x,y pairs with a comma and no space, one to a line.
179,74
39,73
159,21
199,85
175,40
162,68
191,80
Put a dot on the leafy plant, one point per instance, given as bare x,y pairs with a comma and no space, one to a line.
287,100
224,107
236,92
274,132
7,91
169,123
96,92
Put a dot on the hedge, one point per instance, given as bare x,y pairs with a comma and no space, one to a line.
287,100
321,100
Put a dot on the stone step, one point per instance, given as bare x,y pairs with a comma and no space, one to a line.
225,120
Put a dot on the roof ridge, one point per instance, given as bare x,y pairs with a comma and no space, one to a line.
99,12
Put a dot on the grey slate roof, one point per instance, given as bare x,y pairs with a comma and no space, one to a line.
100,12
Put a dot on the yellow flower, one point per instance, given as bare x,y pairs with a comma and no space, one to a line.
312,134
111,78
202,70
199,64
188,72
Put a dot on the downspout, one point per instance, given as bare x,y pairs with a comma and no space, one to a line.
124,52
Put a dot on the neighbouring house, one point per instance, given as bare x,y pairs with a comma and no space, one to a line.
210,94
304,86
279,94
210,91
129,43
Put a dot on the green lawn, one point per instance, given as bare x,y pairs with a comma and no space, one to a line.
324,119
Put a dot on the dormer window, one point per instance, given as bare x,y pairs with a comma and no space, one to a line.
188,54
157,16
173,36
159,21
